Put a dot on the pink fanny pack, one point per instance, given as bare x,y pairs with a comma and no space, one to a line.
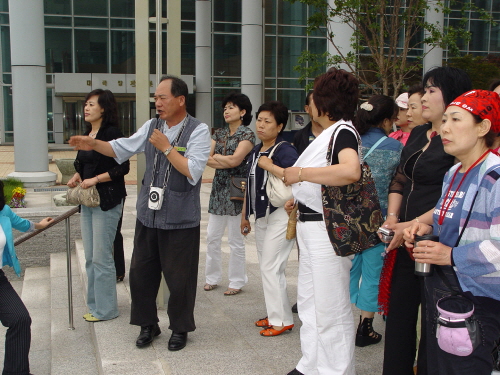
457,330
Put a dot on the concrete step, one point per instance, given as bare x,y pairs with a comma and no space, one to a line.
116,352
73,351
36,297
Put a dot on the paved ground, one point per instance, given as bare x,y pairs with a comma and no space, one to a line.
226,341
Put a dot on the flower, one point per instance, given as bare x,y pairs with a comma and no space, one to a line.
366,106
17,200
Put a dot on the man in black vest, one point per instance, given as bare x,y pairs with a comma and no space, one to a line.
167,233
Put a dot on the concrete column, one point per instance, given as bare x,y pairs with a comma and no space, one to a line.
433,56
343,34
174,37
203,58
252,47
29,96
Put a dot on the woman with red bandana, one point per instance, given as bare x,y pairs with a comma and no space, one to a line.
466,259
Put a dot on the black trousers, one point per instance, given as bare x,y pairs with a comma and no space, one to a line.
15,316
118,253
176,253
486,311
407,293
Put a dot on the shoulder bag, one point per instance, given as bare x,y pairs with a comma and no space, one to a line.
277,192
352,212
237,185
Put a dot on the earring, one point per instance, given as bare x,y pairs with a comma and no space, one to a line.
241,118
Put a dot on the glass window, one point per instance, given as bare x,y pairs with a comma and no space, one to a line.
188,11
57,21
4,18
7,97
495,38
5,43
479,37
269,95
292,30
227,55
227,27
188,53
122,23
188,26
58,50
91,22
292,14
7,79
90,8
293,99
290,50
122,8
91,49
270,57
122,52
227,10
4,5
270,12
57,6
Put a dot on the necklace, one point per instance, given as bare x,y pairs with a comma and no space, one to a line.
445,205
92,135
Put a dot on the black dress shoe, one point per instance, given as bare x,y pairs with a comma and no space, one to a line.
294,308
295,372
147,335
177,341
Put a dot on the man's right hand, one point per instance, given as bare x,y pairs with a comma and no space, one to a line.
82,142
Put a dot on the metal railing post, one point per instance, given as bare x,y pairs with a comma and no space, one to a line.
70,284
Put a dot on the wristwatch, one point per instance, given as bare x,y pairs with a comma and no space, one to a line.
167,151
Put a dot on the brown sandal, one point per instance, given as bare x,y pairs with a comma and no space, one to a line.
232,292
209,287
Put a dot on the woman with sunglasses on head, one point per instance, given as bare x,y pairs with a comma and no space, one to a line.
99,224
466,256
413,193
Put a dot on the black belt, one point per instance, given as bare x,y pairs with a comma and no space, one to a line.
307,214
303,216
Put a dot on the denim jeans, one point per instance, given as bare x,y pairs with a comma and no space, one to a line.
98,234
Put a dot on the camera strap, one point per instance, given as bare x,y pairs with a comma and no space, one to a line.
158,152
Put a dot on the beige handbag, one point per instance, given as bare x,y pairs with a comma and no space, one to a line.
277,192
291,229
88,197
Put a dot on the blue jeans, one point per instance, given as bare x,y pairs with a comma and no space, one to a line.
98,234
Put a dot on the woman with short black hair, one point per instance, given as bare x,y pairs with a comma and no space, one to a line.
230,147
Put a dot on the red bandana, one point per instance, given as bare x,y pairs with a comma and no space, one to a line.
485,104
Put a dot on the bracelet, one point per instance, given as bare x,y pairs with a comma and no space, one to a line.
392,214
300,174
416,219
98,179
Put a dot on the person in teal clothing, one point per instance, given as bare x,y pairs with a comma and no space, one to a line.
373,122
13,313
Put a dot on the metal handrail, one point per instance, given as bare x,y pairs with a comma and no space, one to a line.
65,216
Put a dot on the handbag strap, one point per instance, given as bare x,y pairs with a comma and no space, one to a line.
454,289
374,146
270,156
329,156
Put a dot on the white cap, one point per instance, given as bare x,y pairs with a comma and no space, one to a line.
402,100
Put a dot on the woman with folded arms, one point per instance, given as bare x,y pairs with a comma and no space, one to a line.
466,218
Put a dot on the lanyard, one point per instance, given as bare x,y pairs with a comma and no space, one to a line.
445,206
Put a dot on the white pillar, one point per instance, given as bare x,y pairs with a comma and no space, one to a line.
433,57
174,37
343,34
29,93
252,76
203,58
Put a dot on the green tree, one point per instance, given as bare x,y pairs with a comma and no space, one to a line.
387,38
479,68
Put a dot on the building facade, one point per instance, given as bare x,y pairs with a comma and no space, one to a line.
90,44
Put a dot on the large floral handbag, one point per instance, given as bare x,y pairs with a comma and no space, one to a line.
352,212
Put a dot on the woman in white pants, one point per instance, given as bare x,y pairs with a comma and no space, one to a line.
230,147
327,333
270,222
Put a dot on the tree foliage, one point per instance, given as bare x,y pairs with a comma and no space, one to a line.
388,37
480,69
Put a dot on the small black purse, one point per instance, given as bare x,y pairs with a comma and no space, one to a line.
237,186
